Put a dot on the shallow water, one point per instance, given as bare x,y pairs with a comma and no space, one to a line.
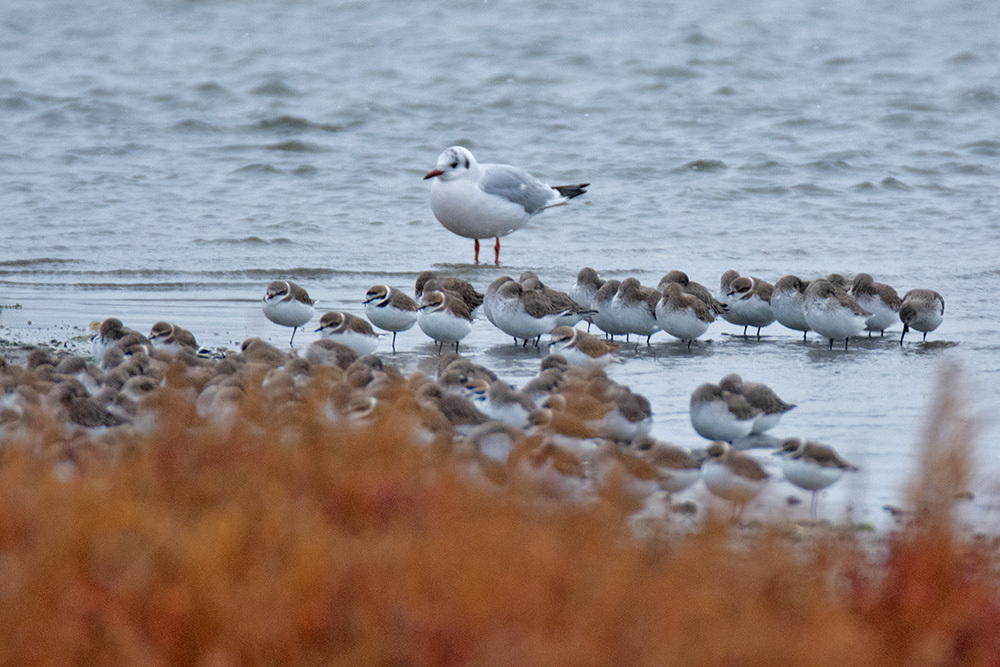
165,160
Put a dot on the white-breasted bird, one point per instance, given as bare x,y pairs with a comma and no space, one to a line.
482,201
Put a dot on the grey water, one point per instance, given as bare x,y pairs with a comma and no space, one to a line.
165,159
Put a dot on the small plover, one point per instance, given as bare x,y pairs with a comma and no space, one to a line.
287,304
171,338
748,302
390,309
353,331
581,348
445,318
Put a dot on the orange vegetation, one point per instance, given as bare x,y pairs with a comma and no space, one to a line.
292,541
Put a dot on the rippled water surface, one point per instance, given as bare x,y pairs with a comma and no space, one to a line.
166,159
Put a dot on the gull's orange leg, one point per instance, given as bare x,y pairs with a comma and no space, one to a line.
496,250
476,241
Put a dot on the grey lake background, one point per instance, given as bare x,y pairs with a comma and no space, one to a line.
165,159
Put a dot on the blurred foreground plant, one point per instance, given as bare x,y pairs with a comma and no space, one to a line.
292,540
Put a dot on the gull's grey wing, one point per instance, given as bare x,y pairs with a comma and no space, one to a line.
515,185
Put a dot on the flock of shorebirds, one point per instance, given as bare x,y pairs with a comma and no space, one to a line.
570,430
445,308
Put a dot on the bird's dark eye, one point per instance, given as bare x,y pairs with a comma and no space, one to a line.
454,164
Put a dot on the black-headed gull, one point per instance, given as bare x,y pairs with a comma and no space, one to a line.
479,201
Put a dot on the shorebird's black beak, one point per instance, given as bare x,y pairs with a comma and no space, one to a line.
433,174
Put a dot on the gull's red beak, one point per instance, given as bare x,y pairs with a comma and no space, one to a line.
433,173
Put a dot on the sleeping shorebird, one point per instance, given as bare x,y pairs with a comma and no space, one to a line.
481,201
759,396
523,314
788,303
812,466
445,318
112,333
681,314
732,475
585,289
879,299
689,286
721,415
580,348
832,312
171,338
748,301
676,467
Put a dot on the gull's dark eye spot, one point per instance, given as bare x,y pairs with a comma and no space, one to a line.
454,164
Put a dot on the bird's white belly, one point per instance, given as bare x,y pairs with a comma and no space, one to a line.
833,320
713,421
787,309
466,210
810,476
680,323
389,318
288,313
444,327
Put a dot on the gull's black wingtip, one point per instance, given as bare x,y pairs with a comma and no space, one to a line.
570,191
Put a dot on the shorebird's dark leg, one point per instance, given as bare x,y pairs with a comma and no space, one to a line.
925,336
456,347
647,339
294,329
804,333
845,342
393,341
758,333
440,346
496,250
744,331
476,246
689,343
831,343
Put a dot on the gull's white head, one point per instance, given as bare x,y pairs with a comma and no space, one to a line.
453,163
